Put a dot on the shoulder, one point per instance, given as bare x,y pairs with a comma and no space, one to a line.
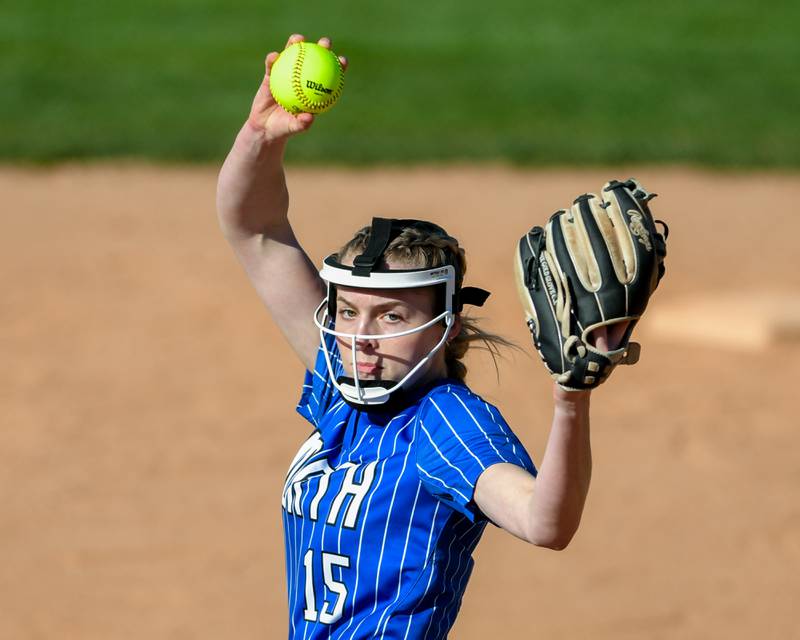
454,400
460,435
458,422
452,414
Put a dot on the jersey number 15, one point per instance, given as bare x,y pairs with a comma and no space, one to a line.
329,560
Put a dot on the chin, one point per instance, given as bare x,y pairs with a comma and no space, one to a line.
383,376
373,378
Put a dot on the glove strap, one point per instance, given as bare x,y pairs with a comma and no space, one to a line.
589,368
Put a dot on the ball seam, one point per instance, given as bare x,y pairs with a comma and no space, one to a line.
297,83
297,74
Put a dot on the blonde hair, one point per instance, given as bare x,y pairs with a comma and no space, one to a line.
426,245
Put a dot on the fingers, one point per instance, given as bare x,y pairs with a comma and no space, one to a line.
295,37
302,121
272,56
600,338
324,41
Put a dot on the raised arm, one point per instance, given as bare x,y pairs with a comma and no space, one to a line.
547,510
252,207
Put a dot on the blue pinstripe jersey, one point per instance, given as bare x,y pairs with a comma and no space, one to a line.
378,516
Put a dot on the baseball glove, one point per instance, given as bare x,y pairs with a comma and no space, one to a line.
594,265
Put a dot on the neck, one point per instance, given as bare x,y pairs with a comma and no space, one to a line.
436,371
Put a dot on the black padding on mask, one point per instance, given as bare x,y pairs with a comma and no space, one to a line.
382,232
332,300
470,295
397,401
379,238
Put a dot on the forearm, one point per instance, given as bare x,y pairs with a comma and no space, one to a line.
563,481
252,197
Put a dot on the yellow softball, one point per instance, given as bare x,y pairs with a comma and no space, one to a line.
306,77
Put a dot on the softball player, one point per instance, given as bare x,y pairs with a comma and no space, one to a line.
386,500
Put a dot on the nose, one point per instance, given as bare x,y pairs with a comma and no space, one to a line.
366,328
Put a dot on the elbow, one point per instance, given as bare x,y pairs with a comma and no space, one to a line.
552,538
554,544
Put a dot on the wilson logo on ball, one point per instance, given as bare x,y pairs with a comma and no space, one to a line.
316,86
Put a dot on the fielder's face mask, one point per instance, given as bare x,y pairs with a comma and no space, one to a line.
367,272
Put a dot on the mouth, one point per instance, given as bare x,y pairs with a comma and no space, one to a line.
368,368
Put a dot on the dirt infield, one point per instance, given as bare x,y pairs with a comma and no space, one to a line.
148,420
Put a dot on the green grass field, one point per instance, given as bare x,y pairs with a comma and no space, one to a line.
704,82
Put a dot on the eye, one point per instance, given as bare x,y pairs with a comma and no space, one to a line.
391,316
347,314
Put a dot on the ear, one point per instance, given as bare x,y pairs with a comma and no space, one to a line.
456,328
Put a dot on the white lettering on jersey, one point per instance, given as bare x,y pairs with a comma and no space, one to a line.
358,491
323,487
304,466
300,469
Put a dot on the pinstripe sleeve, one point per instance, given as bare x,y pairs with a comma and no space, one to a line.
319,394
459,435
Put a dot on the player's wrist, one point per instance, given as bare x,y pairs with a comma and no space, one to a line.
256,141
253,129
571,401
